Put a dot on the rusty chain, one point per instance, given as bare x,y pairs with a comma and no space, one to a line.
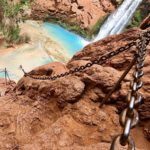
101,60
129,118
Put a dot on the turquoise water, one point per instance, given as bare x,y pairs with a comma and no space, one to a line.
37,56
68,41
71,42
26,56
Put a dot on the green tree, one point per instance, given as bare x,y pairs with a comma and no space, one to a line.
10,15
136,20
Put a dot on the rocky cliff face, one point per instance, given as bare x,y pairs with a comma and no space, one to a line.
65,114
84,13
30,122
40,121
118,63
106,76
72,102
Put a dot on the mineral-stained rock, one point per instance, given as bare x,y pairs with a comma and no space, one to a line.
97,77
49,69
35,124
84,13
147,130
47,89
89,114
65,113
120,63
99,146
67,132
8,142
105,77
6,87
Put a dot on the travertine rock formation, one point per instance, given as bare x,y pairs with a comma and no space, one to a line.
119,63
85,13
101,78
39,124
65,114
79,95
55,121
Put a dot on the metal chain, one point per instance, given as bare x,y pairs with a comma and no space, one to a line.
132,63
101,60
7,78
129,118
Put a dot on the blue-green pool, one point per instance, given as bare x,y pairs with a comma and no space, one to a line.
35,55
68,40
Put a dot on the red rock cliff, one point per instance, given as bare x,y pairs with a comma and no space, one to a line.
85,13
74,100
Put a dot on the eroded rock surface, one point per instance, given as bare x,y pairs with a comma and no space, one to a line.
28,122
6,87
65,113
95,82
119,63
85,13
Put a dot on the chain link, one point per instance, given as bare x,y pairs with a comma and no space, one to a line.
101,60
129,118
6,74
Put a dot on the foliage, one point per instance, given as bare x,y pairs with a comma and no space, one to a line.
26,2
10,17
95,29
10,9
137,19
140,14
74,27
11,33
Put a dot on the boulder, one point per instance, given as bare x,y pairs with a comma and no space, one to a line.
72,102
